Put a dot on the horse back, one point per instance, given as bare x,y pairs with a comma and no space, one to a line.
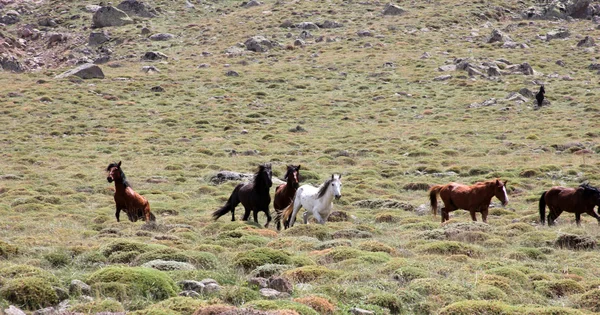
466,197
563,198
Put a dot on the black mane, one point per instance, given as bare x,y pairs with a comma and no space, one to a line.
257,178
324,187
589,189
125,182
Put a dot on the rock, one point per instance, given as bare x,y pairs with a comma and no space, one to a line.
338,216
252,3
560,63
493,72
269,270
86,71
383,204
258,44
9,19
110,16
360,311
91,8
299,43
191,285
98,38
145,31
364,33
425,55
307,26
165,265
330,24
161,37
208,281
224,176
192,294
392,9
446,68
443,77
12,310
474,72
62,294
157,89
269,294
212,288
12,64
138,8
101,60
259,282
46,311
558,34
232,73
523,68
78,287
586,42
150,69
488,102
48,22
204,65
281,284
498,36
55,38
422,210
510,45
527,93
305,34
561,9
517,97
154,55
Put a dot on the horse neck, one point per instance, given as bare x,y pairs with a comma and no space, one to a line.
289,185
260,184
489,188
328,196
120,186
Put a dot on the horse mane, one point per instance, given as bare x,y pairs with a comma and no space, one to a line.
589,189
261,168
323,188
290,170
125,182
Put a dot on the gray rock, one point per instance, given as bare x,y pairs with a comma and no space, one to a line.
192,294
488,102
12,310
307,26
145,31
364,33
161,37
422,210
12,64
269,294
558,34
212,288
527,93
299,43
138,8
92,8
208,281
446,68
360,311
232,73
252,3
165,265
48,22
443,77
259,282
281,284
110,16
160,89
46,311
86,71
392,9
517,97
330,24
498,36
258,44
561,9
154,55
191,285
98,38
78,287
150,69
510,45
493,72
474,72
586,42
10,19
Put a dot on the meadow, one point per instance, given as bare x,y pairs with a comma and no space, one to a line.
366,107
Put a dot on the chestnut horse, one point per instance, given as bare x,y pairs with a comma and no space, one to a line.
474,198
574,200
284,194
254,196
126,199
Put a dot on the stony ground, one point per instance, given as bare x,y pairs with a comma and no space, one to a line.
396,99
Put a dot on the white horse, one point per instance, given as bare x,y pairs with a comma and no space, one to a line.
318,201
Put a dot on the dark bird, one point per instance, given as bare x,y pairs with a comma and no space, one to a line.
540,96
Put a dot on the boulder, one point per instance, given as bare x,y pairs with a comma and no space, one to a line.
307,26
9,19
91,8
281,284
137,8
110,16
558,34
360,311
46,311
443,77
446,68
85,71
191,285
561,9
497,36
78,287
330,24
165,265
269,294
12,64
493,72
150,69
259,282
192,294
98,38
258,44
527,93
154,55
586,42
161,37
12,310
252,3
488,102
212,288
392,9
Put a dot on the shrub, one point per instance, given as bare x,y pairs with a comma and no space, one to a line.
571,241
386,217
450,248
558,288
387,300
310,273
93,307
260,256
319,304
321,232
239,295
140,281
281,305
30,292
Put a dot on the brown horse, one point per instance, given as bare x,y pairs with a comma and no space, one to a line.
254,196
474,198
574,200
126,199
284,194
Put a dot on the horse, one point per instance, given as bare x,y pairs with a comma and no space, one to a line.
474,198
540,96
318,202
574,200
254,196
135,205
284,194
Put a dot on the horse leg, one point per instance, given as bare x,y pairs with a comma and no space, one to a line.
593,214
246,213
484,214
317,216
233,214
305,217
473,216
255,214
268,217
118,213
578,218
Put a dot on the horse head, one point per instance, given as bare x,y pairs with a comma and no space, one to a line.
265,174
591,192
292,176
114,172
336,183
500,191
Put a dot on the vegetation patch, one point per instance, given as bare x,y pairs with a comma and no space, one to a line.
321,232
261,256
7,250
141,282
558,288
319,304
239,295
450,248
30,292
386,300
310,273
98,306
265,305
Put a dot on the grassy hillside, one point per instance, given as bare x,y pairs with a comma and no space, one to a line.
370,110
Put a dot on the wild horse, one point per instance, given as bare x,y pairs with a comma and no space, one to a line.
574,200
474,198
254,196
284,194
135,205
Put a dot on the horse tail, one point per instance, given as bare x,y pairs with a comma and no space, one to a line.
231,203
543,208
277,218
148,216
286,214
433,192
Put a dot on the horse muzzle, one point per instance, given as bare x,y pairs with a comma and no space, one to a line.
109,179
337,197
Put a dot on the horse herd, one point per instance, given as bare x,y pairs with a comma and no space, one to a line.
318,201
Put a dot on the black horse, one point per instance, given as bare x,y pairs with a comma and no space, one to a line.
540,96
574,200
254,196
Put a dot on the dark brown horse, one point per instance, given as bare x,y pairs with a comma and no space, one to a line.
574,200
126,199
474,198
254,196
284,194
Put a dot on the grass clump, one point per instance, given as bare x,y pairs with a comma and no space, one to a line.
319,304
260,256
590,300
114,290
334,243
265,305
409,273
310,273
321,232
490,293
386,300
558,288
269,270
450,248
24,271
476,307
140,282
98,306
31,292
7,250
375,246
125,246
512,274
239,295
202,260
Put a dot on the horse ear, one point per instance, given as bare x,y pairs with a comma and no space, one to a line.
119,164
506,181
332,176
497,182
340,177
298,167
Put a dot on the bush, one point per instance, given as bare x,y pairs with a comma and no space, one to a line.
310,273
450,248
319,304
99,306
387,300
261,256
31,293
239,295
281,305
143,282
321,232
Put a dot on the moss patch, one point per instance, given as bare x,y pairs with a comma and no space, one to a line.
31,293
142,282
